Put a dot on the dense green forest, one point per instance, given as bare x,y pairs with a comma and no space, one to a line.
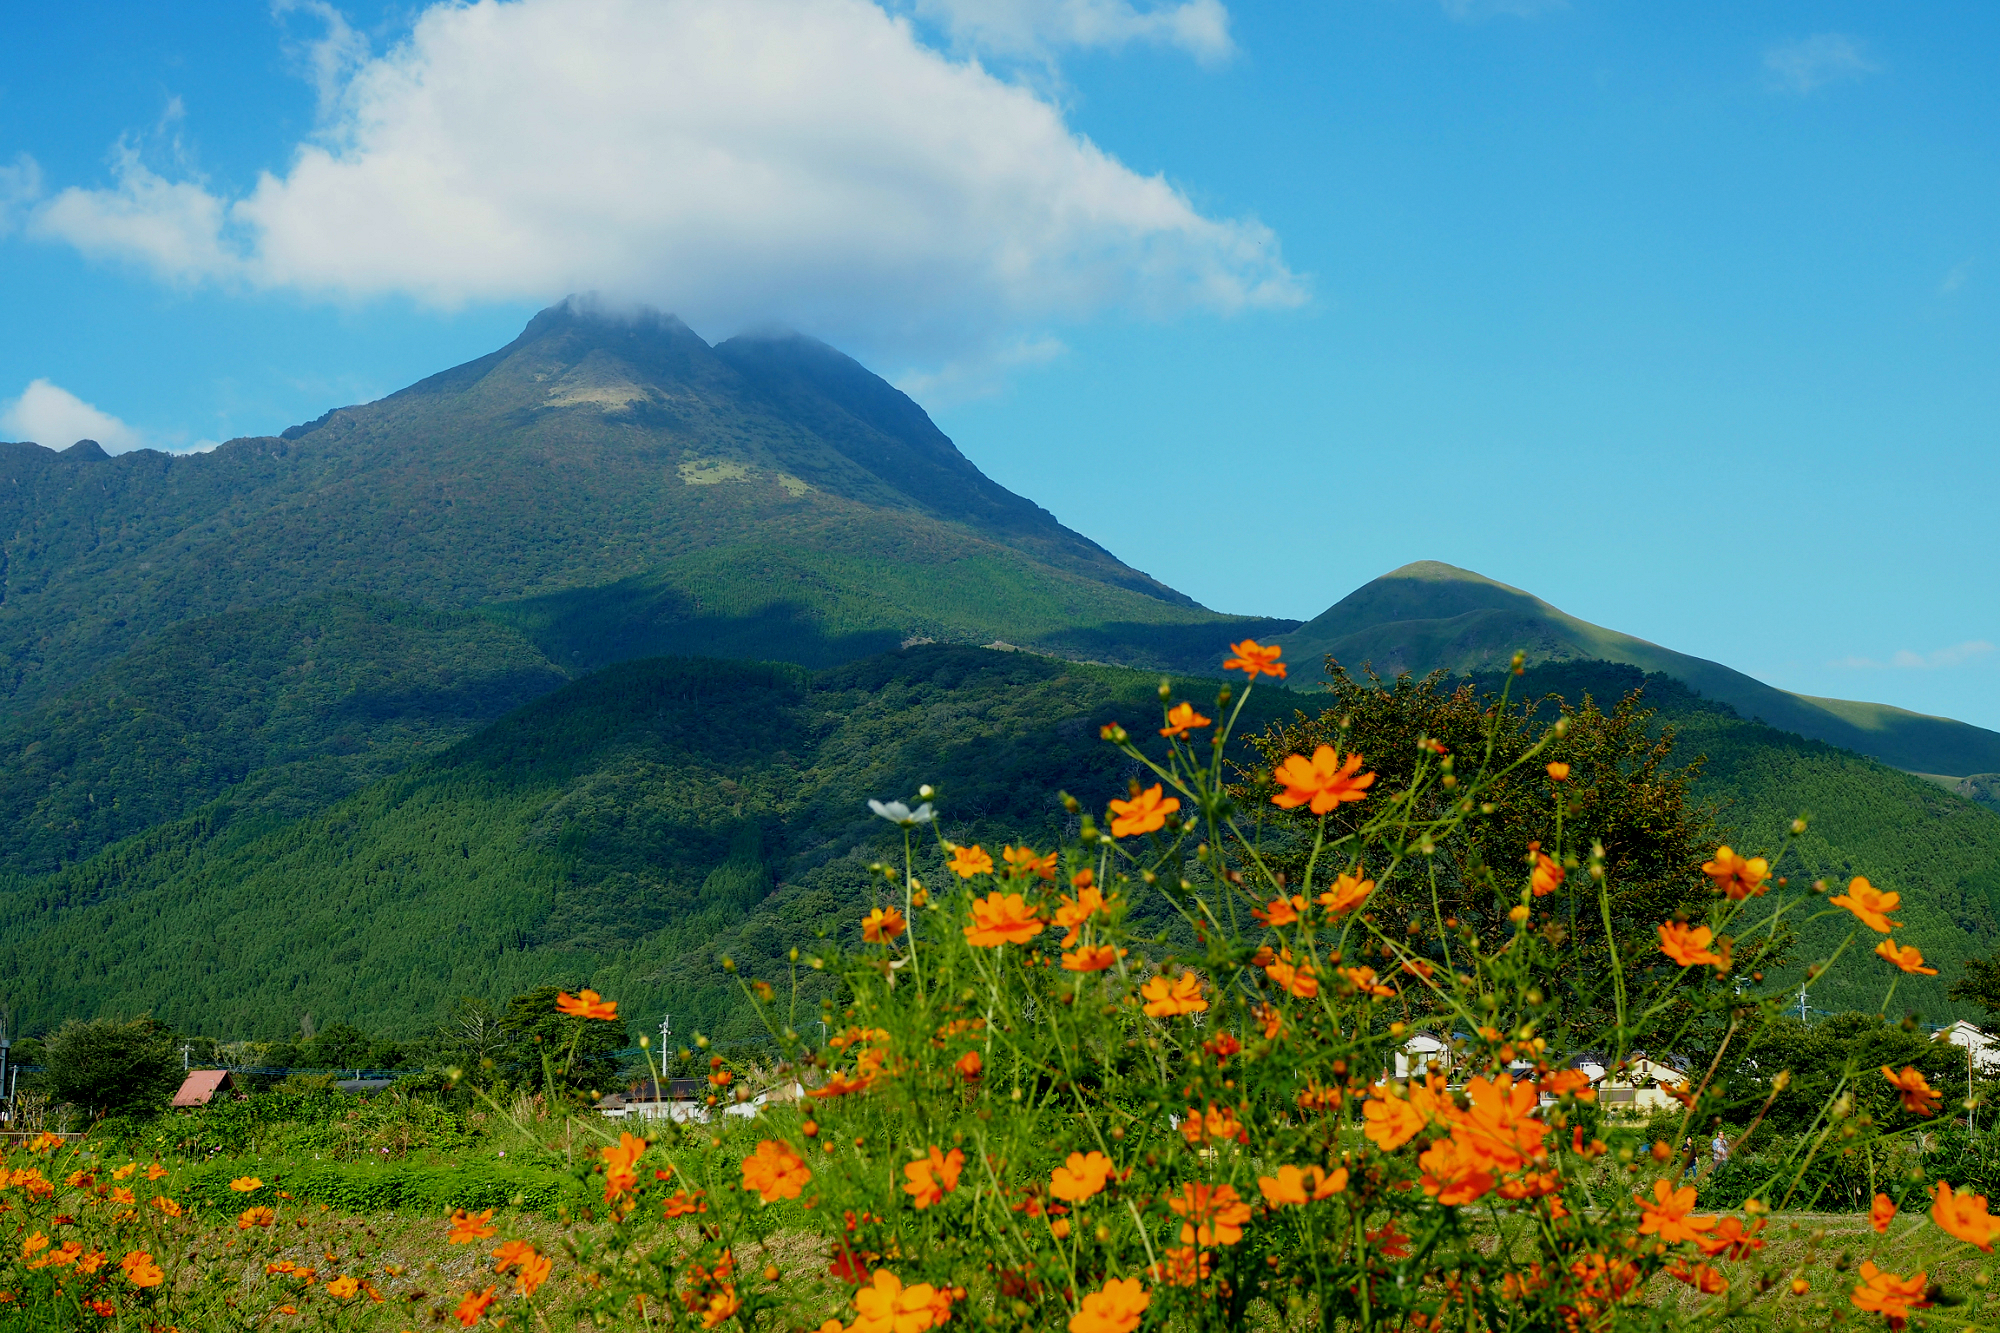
628,830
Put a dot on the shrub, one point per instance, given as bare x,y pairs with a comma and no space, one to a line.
107,1066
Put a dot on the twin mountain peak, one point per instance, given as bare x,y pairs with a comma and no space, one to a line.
609,486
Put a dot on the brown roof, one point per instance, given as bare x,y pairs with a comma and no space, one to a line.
201,1086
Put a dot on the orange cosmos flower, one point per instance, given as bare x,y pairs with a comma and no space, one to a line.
887,1306
969,1066
140,1270
1081,1177
969,861
1219,1122
153,1172
1023,861
931,1178
1298,980
1269,1019
1073,912
246,1184
1321,782
166,1205
682,1203
1964,1216
586,1004
1253,659
1870,904
1281,911
1564,1081
1453,1173
344,1288
1689,946
1146,812
1909,958
1091,959
882,925
1180,718
1392,1121
534,1272
1348,892
1215,1214
474,1306
621,1174
1882,1213
1667,1215
1547,874
1113,1308
1559,771
1731,1241
1169,999
1183,1267
1890,1296
839,1084
1919,1097
1737,877
775,1172
255,1217
1365,982
60,1257
1701,1277
1295,1187
999,919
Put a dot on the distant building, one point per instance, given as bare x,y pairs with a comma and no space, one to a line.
1985,1050
685,1100
202,1086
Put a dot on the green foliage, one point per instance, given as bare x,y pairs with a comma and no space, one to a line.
1430,616
576,841
548,1050
107,1066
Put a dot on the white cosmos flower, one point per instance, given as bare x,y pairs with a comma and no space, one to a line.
898,813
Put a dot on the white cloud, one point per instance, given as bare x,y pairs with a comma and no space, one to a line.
806,162
336,54
1813,62
977,377
53,416
1039,27
1956,278
1957,655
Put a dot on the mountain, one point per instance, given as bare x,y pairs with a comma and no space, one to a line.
768,497
1429,616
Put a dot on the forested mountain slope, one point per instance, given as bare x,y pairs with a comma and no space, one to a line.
1431,616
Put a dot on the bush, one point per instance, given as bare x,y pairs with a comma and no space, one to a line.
106,1066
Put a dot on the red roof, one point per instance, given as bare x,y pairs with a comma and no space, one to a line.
201,1087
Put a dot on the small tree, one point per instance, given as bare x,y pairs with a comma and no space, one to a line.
108,1066
546,1049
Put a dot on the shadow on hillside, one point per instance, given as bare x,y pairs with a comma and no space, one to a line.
587,628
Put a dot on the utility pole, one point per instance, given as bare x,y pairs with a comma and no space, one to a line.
186,1047
1802,1004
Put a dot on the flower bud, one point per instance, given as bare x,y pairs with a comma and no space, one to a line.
1166,689
926,792
1798,826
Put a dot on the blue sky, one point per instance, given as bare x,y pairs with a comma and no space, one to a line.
1681,317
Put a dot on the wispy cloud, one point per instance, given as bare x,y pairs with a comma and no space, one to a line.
1956,278
20,186
1810,63
1957,655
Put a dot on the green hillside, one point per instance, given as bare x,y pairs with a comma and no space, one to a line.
622,831
768,493
293,706
1429,616
1939,850
630,828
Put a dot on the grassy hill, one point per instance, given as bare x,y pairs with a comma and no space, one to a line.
632,827
1429,616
